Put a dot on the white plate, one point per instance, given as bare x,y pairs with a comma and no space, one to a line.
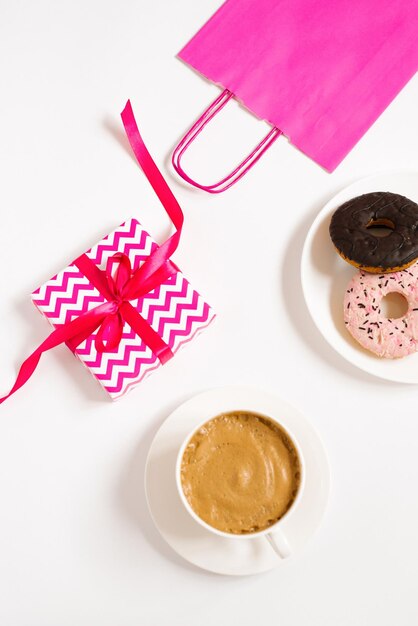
325,276
198,545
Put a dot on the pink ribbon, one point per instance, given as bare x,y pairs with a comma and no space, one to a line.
121,286
119,290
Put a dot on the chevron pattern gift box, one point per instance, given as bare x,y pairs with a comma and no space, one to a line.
174,310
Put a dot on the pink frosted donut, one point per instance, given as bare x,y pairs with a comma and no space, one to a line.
389,338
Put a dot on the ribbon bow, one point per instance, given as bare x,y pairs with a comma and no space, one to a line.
119,284
119,287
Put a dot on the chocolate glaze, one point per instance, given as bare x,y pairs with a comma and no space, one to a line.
349,233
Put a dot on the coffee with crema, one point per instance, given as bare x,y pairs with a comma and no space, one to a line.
240,472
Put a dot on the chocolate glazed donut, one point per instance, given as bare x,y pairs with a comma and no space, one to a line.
357,245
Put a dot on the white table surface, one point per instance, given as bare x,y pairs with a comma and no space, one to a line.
77,545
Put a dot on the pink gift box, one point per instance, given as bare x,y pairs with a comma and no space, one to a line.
174,310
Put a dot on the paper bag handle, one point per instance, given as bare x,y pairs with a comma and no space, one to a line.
241,169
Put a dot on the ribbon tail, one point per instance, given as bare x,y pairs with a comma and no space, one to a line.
144,330
85,323
26,370
110,331
161,188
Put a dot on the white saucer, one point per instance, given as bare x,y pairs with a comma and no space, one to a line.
325,276
187,537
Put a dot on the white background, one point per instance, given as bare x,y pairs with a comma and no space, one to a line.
77,545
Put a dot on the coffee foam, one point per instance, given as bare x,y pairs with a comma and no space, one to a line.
240,472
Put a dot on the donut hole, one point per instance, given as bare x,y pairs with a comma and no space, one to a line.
394,305
380,227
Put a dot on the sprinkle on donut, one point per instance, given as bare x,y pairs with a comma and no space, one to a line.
386,337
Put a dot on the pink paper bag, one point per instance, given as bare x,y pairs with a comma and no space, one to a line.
319,71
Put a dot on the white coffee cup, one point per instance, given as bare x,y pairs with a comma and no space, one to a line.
274,534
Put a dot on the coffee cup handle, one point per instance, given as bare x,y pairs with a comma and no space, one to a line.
279,543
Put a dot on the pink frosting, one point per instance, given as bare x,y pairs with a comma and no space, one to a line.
386,337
